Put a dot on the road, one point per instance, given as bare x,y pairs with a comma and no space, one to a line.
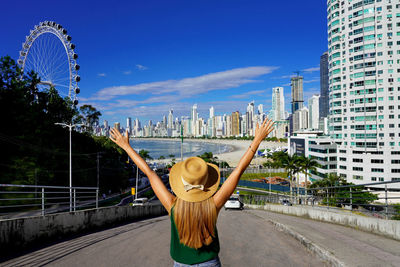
351,247
246,240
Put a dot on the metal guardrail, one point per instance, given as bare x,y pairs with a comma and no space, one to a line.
255,170
371,199
31,200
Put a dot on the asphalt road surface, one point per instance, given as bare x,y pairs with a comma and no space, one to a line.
246,240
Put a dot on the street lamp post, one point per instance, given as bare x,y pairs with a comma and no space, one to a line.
70,126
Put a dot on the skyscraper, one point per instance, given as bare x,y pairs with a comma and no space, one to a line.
250,118
278,104
313,112
193,119
129,124
324,86
297,93
170,123
212,112
235,123
363,63
260,109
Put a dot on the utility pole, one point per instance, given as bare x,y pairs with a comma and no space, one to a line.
181,143
70,126
98,169
137,177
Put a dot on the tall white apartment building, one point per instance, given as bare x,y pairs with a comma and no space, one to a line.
193,118
313,112
364,88
250,118
129,124
260,109
278,104
170,123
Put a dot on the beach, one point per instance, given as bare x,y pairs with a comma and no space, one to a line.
233,156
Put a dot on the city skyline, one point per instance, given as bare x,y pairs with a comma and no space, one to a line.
141,60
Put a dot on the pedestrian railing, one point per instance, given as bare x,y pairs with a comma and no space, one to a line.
30,200
379,200
255,170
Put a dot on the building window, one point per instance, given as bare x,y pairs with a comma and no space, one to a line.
379,161
395,170
376,170
358,169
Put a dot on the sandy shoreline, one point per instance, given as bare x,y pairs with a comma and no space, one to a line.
238,148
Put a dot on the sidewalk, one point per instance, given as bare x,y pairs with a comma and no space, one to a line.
340,245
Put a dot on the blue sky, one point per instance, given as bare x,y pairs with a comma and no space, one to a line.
141,58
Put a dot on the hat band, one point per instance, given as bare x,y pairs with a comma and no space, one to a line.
187,186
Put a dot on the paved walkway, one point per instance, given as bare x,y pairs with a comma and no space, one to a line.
349,246
246,240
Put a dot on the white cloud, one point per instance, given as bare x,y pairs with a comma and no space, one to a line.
141,67
101,74
189,86
311,81
127,72
312,69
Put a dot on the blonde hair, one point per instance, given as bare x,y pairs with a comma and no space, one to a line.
195,221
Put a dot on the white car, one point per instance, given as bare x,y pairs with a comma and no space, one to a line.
233,203
139,201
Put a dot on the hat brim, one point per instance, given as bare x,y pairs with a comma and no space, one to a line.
194,195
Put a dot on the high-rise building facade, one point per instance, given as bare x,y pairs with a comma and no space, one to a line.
170,123
297,93
324,86
249,118
313,112
129,124
300,119
278,104
364,57
235,123
193,119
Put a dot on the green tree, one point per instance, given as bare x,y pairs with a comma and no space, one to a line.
329,188
36,151
145,154
90,116
307,164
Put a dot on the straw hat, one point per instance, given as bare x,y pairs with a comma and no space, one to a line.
194,180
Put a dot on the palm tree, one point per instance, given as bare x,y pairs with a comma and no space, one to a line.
308,164
290,163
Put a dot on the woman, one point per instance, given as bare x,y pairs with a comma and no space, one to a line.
194,210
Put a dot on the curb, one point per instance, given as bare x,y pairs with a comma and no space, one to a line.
308,244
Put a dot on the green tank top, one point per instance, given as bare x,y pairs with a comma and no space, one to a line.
187,255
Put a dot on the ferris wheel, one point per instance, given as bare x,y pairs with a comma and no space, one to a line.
49,52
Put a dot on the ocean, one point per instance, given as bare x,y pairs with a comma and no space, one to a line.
158,148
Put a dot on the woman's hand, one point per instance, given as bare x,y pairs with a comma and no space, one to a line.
119,139
263,130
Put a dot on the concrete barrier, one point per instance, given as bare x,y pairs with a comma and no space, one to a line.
388,228
25,232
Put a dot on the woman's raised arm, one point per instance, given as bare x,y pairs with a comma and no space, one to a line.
156,183
226,190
